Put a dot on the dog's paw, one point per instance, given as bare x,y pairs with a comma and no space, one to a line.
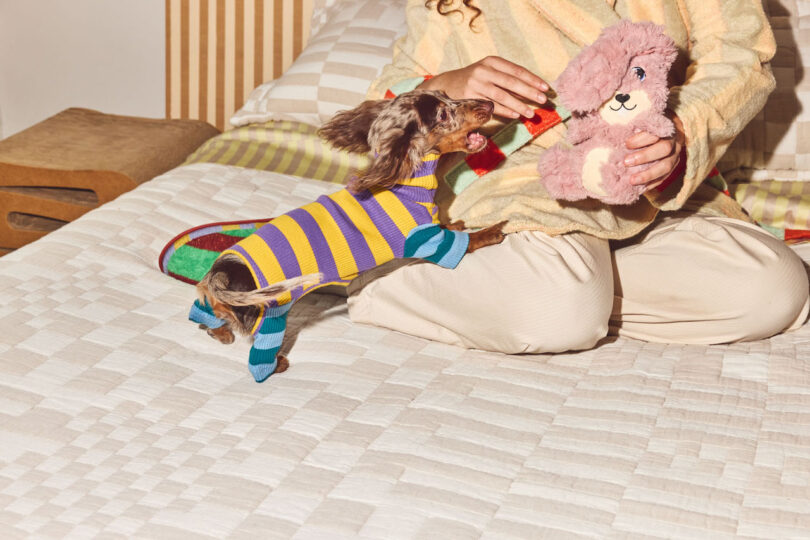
497,232
282,365
223,334
487,237
457,225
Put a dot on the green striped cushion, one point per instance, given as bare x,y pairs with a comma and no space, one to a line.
282,147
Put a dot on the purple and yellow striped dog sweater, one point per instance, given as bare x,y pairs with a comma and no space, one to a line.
339,236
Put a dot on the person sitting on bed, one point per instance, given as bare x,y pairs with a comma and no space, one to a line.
681,265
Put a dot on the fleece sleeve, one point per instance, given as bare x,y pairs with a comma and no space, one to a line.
728,80
427,39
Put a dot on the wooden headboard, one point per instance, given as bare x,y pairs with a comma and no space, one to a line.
217,51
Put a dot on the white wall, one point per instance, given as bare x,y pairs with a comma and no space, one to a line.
107,55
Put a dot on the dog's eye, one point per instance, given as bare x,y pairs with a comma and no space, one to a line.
443,115
639,73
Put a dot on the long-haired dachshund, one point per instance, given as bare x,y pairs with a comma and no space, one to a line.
386,212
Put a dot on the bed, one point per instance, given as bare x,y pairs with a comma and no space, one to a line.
119,418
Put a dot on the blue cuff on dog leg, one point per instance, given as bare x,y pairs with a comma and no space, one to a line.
437,245
204,314
262,371
263,358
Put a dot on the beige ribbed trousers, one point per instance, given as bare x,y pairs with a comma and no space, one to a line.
693,279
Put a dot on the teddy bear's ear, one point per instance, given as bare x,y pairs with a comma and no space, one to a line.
660,43
592,77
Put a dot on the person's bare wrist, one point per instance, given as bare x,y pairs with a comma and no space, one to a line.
431,83
441,82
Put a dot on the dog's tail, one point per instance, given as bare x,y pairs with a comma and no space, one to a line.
217,285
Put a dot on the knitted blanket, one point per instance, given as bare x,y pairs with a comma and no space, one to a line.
190,254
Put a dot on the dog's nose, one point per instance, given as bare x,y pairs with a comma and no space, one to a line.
621,98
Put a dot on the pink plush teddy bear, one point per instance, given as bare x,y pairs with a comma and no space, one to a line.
614,88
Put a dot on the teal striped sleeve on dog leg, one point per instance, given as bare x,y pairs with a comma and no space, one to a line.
263,360
204,314
266,343
437,245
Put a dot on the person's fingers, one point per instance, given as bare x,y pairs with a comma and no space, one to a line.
500,110
506,104
519,72
653,185
505,83
656,173
518,87
494,78
654,152
640,140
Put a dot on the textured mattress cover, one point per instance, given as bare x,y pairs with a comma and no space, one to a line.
119,418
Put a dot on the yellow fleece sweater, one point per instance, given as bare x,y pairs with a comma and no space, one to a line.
720,81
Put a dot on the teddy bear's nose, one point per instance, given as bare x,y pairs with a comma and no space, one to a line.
621,98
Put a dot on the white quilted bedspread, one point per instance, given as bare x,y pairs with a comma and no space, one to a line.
120,419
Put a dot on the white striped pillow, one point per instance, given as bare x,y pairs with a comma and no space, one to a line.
336,67
320,14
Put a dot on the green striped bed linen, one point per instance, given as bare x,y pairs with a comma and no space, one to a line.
776,205
283,147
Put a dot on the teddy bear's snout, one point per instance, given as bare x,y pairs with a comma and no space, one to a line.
622,98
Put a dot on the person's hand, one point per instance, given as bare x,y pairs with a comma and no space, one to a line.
662,153
496,79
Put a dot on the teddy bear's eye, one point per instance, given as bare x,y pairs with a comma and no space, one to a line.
639,73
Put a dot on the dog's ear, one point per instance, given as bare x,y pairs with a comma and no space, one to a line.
398,153
348,130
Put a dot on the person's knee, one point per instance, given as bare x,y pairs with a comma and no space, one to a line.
772,298
573,316
716,280
764,291
530,294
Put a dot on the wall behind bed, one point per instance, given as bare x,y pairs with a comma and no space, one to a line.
154,58
100,54
217,51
